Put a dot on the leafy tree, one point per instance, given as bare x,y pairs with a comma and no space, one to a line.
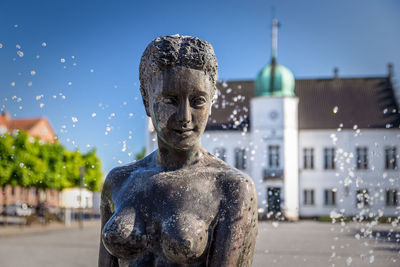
141,154
6,158
29,162
93,174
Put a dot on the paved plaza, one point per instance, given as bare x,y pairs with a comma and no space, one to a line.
305,243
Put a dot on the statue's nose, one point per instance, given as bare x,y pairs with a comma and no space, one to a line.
184,114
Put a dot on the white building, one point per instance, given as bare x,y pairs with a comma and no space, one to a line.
76,197
314,147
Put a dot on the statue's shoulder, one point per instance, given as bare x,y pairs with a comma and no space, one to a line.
236,183
226,174
118,175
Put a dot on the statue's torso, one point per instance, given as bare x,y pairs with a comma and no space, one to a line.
161,218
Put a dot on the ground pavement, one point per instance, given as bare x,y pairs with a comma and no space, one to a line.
305,243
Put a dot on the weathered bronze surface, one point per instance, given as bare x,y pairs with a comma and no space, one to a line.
180,205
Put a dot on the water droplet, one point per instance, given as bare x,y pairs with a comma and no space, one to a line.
62,60
371,259
93,114
123,146
33,72
44,44
335,109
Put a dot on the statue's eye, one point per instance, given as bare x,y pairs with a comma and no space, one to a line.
199,101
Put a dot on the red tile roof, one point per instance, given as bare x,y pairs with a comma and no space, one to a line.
27,125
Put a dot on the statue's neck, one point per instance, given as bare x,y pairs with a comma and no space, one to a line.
172,159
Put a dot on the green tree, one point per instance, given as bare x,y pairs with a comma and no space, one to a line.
141,154
93,174
29,162
6,158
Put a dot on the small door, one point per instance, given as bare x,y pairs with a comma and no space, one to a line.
274,199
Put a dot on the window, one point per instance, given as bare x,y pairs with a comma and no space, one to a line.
391,198
240,158
308,158
362,158
362,198
329,158
390,158
308,197
273,157
330,197
220,153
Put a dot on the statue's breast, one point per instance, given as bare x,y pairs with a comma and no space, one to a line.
168,216
184,238
124,234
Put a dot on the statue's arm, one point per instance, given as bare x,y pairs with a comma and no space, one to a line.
105,258
236,230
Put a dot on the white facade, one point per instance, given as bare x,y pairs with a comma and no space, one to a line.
76,198
340,188
346,179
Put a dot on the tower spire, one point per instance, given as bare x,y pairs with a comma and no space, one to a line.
274,51
274,46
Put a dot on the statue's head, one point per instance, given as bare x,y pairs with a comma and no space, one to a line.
178,77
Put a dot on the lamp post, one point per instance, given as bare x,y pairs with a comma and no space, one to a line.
82,177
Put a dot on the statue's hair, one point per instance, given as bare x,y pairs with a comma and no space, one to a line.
175,50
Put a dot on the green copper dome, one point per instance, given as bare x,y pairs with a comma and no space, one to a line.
275,80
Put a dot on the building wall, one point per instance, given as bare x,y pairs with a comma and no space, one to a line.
71,198
42,130
346,179
17,195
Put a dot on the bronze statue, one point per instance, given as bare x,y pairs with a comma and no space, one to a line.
180,205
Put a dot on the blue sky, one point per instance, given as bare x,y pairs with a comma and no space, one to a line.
80,58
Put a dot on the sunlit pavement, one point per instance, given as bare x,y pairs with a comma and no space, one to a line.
50,246
309,243
305,243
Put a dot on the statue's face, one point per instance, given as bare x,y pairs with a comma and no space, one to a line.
179,101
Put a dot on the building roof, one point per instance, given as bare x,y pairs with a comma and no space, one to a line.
22,124
36,127
323,104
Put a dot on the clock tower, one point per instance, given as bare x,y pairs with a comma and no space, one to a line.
274,130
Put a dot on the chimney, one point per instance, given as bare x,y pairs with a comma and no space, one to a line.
335,73
390,70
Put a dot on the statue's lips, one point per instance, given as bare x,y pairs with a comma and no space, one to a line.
183,132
